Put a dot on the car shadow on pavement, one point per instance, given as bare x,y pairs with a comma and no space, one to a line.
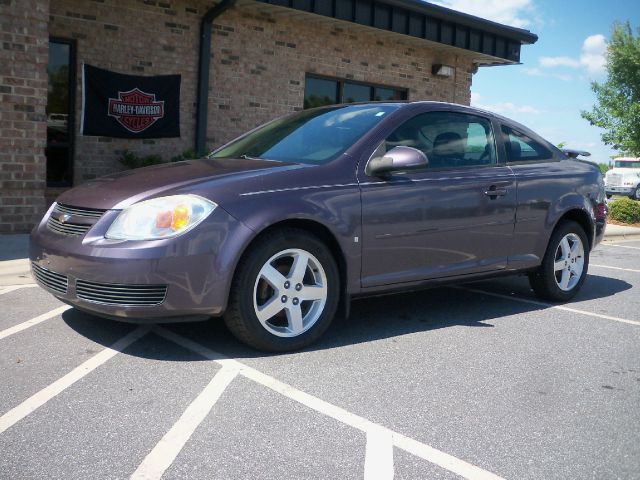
371,319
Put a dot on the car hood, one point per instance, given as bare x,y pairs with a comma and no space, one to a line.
122,189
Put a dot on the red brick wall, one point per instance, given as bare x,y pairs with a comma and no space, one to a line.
151,37
23,93
260,60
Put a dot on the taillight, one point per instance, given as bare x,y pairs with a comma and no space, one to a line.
601,211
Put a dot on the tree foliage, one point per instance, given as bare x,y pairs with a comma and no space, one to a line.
617,108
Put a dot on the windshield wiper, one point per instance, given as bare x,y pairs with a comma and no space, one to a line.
244,156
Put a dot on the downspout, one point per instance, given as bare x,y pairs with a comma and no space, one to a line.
204,59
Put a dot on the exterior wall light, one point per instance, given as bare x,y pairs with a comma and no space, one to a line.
443,70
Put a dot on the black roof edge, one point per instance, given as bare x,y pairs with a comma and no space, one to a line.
444,13
427,21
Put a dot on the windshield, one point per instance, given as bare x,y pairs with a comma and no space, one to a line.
623,164
313,136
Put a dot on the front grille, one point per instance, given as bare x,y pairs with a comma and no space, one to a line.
79,211
614,180
66,228
69,220
121,295
54,281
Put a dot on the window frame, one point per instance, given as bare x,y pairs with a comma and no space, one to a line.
340,90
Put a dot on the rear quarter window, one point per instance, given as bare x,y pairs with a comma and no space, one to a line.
522,148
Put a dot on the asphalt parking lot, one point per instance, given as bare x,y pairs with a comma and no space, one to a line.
480,381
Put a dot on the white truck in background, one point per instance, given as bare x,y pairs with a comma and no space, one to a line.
624,178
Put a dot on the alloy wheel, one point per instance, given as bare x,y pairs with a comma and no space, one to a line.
569,262
290,293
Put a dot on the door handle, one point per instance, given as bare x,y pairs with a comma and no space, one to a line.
495,192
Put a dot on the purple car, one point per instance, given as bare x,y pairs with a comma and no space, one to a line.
277,230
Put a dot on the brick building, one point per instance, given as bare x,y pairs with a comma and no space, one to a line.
241,62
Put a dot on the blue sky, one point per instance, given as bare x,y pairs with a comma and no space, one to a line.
551,87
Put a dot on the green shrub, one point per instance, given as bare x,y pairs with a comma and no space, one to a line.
189,154
604,168
625,210
131,160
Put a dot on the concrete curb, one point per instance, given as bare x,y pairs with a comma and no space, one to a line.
15,272
620,238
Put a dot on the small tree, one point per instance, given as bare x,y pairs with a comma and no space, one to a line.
617,107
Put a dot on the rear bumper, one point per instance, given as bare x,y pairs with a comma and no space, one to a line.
125,279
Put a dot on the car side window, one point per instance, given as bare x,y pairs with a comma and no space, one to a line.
449,140
522,148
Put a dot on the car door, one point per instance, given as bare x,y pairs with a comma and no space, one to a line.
454,218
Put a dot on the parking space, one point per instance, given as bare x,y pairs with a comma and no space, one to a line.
477,381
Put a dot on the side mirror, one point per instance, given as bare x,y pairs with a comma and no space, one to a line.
398,159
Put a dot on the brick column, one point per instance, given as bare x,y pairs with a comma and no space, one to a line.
23,121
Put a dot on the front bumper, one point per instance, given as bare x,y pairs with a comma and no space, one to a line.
620,190
124,279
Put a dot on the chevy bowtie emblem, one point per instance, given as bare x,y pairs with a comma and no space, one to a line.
64,218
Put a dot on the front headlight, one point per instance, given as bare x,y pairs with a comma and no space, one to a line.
162,217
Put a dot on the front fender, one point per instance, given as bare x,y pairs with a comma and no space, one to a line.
336,209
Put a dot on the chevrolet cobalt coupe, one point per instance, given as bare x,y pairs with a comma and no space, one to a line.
277,230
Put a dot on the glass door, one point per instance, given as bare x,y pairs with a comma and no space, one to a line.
60,112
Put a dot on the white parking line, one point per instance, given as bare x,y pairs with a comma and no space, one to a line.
168,448
614,268
426,452
35,401
34,321
548,305
378,460
620,246
13,288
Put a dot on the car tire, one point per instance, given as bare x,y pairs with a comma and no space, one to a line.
285,292
609,196
636,194
564,266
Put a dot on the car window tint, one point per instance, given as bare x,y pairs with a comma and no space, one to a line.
449,140
314,136
522,148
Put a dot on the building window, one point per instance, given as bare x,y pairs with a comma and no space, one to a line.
319,91
60,113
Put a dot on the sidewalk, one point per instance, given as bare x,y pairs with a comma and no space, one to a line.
14,252
14,265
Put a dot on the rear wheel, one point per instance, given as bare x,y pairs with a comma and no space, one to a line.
636,194
285,292
564,266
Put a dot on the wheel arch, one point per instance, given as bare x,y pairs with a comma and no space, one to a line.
582,218
324,234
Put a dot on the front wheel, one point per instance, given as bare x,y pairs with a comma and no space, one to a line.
285,292
636,194
564,266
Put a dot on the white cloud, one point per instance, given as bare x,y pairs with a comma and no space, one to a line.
502,107
593,57
551,62
594,51
536,72
515,13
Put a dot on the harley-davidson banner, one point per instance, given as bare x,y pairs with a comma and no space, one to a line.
129,106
